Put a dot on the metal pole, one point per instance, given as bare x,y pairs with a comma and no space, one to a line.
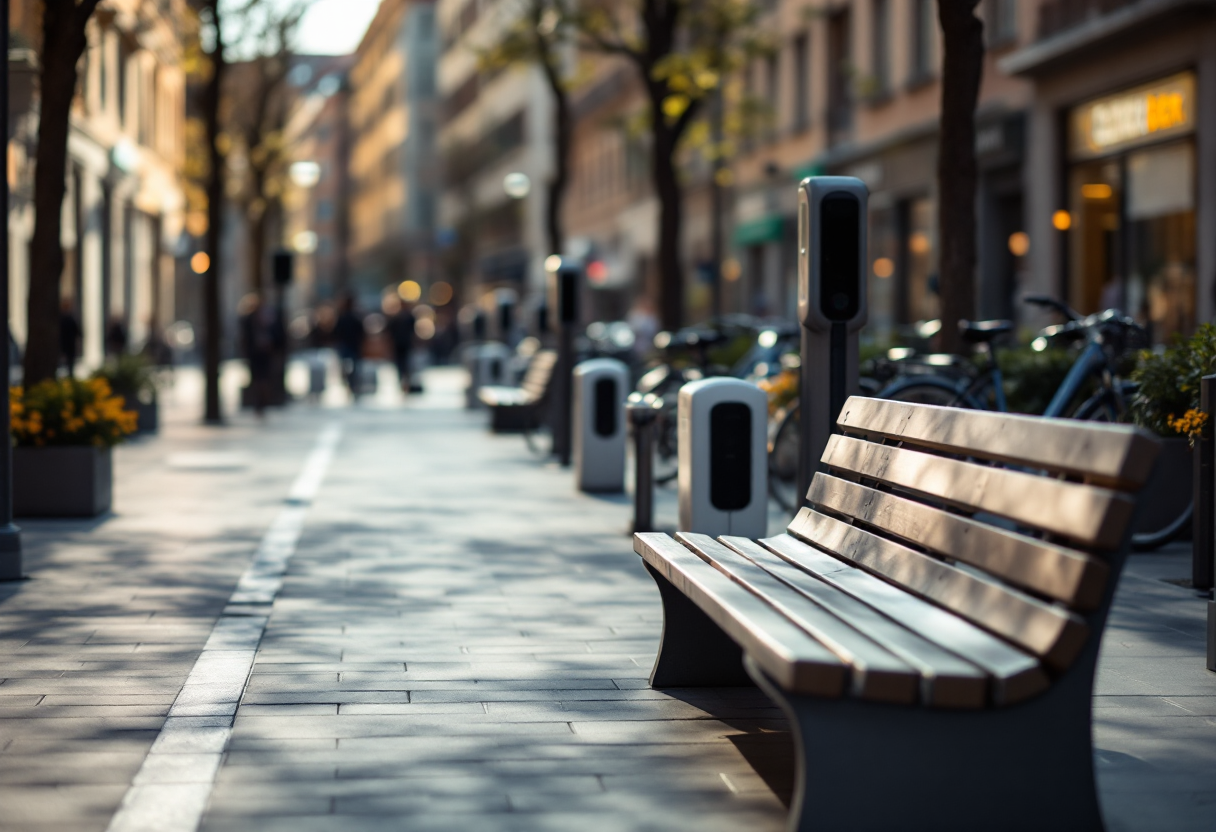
716,200
10,535
643,412
1203,527
807,464
563,389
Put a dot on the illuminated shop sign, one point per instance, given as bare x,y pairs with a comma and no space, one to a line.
1134,117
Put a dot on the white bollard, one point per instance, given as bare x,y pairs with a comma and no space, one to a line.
723,458
488,366
600,388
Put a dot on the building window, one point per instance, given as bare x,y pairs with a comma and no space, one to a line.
840,68
772,67
802,83
924,23
1001,22
880,46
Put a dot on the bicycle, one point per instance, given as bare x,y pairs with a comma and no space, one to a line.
1091,391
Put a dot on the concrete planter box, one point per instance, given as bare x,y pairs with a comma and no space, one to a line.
1169,490
74,481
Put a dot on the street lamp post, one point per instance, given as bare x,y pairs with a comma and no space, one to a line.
10,535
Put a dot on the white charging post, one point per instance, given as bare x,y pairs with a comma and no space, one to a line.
489,363
600,387
723,458
831,307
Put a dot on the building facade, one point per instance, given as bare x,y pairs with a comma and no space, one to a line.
495,124
394,179
1121,157
124,209
316,204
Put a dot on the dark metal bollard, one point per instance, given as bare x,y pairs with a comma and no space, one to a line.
1204,491
643,411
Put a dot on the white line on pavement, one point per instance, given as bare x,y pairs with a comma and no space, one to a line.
171,789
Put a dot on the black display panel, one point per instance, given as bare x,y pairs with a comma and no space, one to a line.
730,456
840,256
605,407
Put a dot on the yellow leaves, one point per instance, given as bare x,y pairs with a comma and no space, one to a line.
674,106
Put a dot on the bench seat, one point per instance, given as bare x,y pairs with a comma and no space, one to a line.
514,409
930,622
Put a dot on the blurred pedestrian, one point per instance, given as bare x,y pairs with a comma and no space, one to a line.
401,324
257,342
348,340
116,336
69,336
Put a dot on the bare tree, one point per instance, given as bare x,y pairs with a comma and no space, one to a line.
537,36
962,70
63,42
254,112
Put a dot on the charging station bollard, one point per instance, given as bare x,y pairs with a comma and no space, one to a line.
487,366
505,303
564,282
723,458
600,385
643,413
831,307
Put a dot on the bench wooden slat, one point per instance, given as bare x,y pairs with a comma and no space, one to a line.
793,659
1113,455
1016,675
1089,514
947,680
876,673
1073,577
1053,633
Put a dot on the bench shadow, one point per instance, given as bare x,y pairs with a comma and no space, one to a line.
769,752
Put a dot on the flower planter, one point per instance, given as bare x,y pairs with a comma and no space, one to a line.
1168,491
70,481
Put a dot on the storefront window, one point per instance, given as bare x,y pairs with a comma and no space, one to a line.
1161,239
921,278
1133,237
1132,205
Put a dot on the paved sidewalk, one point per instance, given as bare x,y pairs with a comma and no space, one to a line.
461,642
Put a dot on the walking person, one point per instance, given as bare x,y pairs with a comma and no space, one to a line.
69,337
401,332
348,340
257,342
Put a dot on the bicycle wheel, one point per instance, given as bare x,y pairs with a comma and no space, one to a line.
1101,407
666,448
783,459
924,392
1149,541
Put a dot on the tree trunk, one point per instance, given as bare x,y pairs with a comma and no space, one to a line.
212,332
670,301
63,42
962,69
257,253
561,169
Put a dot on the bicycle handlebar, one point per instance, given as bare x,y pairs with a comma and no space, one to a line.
1051,303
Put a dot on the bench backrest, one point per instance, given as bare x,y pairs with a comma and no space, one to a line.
540,371
1017,523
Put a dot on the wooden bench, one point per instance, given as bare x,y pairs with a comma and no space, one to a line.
514,409
931,624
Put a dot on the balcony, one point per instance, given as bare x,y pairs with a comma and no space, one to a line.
1070,30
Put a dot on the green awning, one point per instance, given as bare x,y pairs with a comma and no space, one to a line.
763,230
